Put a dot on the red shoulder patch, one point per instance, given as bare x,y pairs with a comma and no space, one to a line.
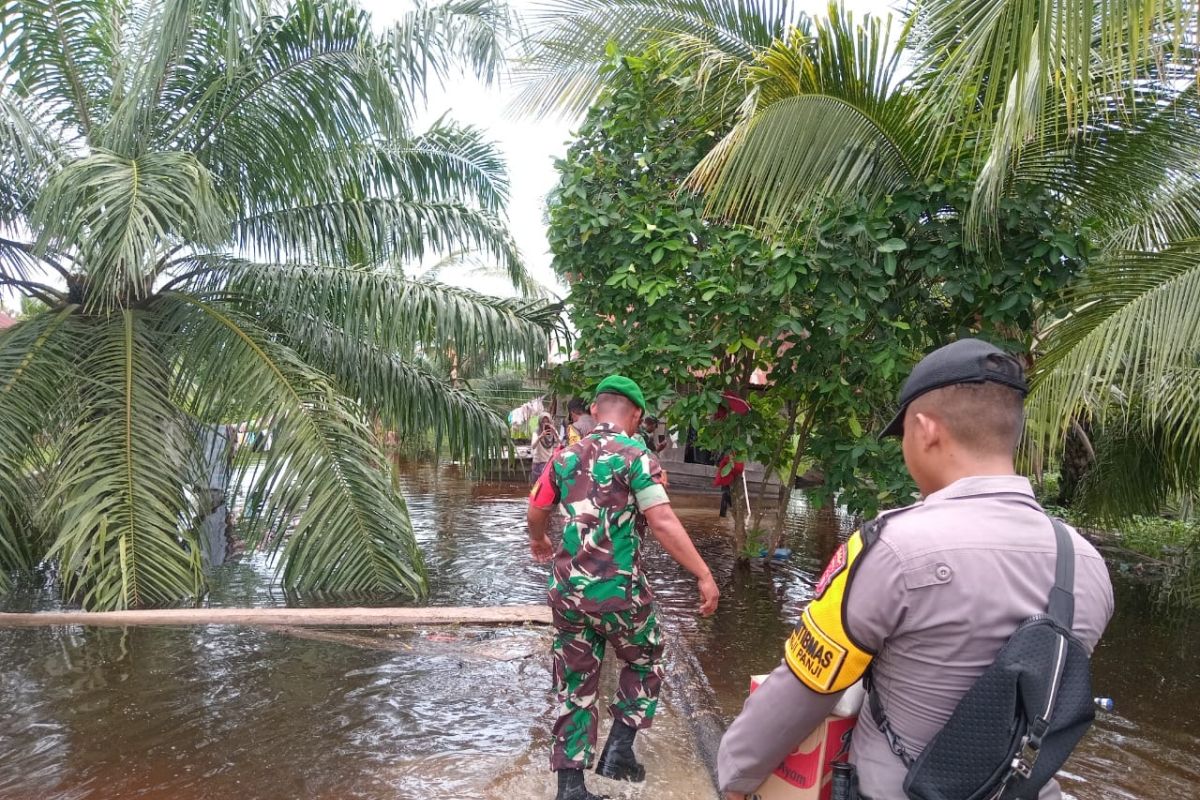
545,492
835,566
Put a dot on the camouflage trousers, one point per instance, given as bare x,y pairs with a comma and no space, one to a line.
579,644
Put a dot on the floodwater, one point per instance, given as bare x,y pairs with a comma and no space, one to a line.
210,712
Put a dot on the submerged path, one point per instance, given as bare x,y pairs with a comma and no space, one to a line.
381,617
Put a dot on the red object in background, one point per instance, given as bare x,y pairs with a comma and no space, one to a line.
728,471
730,402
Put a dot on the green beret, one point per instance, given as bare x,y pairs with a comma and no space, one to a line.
619,384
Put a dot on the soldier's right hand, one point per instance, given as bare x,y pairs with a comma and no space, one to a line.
709,595
542,549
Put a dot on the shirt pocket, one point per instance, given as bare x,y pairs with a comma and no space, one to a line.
936,573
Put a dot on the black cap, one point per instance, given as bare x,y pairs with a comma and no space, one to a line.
964,361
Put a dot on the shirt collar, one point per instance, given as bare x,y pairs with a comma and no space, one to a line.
605,427
983,484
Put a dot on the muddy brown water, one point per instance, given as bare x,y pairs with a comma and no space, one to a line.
210,712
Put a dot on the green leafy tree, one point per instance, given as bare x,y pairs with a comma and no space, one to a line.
227,192
1093,102
833,311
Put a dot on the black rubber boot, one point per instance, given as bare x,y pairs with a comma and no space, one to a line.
570,786
617,761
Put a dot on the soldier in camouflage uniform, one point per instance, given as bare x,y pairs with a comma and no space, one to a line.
598,593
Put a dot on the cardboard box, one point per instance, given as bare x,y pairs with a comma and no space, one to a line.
807,773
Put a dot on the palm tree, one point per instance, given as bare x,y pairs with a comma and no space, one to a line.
1095,102
223,194
570,42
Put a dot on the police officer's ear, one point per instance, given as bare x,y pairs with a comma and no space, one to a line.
926,430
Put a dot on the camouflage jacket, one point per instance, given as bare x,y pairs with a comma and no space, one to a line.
604,482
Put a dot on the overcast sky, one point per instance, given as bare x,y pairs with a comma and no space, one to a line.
531,145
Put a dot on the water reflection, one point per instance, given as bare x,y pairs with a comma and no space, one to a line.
221,712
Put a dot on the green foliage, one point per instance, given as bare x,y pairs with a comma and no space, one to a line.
1157,536
1092,103
835,309
231,192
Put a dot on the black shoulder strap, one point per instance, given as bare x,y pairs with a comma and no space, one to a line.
1062,596
1061,609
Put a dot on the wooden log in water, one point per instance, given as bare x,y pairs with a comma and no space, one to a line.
258,617
694,695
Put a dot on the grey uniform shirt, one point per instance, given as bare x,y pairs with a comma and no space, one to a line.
935,598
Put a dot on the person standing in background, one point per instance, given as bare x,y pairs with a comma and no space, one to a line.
656,440
581,422
544,443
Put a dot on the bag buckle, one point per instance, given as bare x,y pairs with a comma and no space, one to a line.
1026,757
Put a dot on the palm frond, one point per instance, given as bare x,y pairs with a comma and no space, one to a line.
121,213
465,265
570,41
408,398
1019,74
28,151
1129,350
1168,215
310,78
398,314
375,230
17,262
154,41
1132,174
831,121
323,494
449,161
433,39
372,201
57,53
1138,470
35,368
124,525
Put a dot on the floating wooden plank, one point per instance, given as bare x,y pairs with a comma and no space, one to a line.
258,617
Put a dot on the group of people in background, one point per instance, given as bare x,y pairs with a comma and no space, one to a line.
549,437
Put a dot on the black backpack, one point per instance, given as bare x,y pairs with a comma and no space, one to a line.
1021,718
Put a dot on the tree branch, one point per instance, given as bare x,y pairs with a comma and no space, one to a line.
801,447
773,463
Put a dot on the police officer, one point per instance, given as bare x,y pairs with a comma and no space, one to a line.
598,592
930,602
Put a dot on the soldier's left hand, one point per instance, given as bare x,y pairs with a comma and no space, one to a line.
542,549
709,595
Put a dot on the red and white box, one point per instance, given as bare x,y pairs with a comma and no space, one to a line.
807,774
